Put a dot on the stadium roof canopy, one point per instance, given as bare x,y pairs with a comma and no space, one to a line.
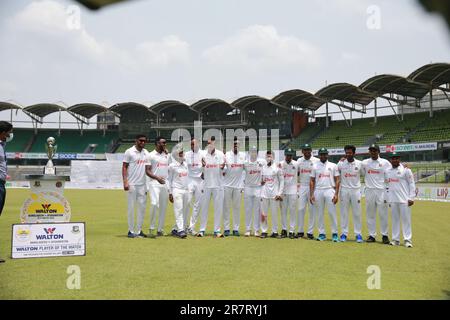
203,104
435,74
163,105
255,101
8,106
391,84
40,110
121,108
299,98
85,111
345,92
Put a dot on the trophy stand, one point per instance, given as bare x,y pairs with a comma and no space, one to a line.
46,203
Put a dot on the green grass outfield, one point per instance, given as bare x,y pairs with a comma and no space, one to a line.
116,267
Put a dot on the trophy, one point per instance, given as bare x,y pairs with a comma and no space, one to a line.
51,150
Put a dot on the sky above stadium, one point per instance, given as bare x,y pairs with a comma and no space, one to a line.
152,50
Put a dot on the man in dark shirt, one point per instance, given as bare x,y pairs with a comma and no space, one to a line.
5,136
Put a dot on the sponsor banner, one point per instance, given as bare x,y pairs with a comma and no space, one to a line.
45,206
66,156
433,193
48,240
386,149
58,156
85,156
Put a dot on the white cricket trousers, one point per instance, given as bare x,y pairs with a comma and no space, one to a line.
252,201
232,199
217,195
197,194
324,198
375,200
289,203
350,198
266,205
401,211
180,208
136,195
303,201
159,197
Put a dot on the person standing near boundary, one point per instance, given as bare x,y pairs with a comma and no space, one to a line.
133,175
6,135
350,172
289,168
305,166
401,195
158,161
232,181
325,193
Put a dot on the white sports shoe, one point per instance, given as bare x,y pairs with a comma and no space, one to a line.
257,234
408,244
247,234
395,243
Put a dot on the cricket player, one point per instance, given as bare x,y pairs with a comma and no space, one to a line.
271,195
324,192
252,191
194,162
233,185
305,166
159,164
375,190
350,194
6,136
179,193
401,195
133,175
290,193
213,163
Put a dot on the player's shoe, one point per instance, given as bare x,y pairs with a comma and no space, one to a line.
283,234
335,237
394,243
322,237
174,233
385,240
257,234
370,239
131,235
2,260
218,235
226,233
192,232
236,233
359,238
291,235
200,234
274,235
141,235
160,233
247,234
408,244
263,235
343,238
182,235
301,235
310,236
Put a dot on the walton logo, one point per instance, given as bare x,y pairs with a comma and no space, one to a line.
46,209
49,235
49,230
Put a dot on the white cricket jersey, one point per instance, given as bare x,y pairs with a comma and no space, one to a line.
253,172
373,171
212,173
178,176
401,184
137,160
194,162
324,174
350,173
290,174
305,168
234,169
273,181
160,166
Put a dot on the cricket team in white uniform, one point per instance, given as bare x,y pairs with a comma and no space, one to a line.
288,188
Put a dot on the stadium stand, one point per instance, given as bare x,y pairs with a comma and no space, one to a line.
435,129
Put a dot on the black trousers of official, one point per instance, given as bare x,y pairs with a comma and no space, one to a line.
2,195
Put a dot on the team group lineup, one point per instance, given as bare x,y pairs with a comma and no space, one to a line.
194,178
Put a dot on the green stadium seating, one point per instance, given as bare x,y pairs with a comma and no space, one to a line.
436,129
21,139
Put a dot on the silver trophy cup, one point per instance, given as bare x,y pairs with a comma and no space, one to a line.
51,150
